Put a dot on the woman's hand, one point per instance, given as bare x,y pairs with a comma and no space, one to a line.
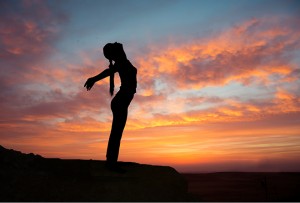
89,83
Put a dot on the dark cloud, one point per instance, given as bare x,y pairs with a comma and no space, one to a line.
28,32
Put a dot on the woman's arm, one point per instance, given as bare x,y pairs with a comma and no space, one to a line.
102,75
91,81
105,73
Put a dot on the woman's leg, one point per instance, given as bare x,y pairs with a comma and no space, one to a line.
119,106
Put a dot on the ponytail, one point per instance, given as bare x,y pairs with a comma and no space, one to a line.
111,78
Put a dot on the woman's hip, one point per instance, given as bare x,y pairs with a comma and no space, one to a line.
121,101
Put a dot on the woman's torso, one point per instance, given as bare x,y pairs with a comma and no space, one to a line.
127,73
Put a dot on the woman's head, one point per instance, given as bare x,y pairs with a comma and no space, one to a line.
114,51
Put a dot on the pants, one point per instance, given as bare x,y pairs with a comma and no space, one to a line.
119,107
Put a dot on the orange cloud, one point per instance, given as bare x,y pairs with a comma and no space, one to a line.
254,50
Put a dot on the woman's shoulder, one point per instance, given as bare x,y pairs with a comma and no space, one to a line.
125,65
130,64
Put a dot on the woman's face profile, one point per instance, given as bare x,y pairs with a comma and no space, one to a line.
108,51
112,51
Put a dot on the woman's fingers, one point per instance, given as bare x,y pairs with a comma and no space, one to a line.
88,84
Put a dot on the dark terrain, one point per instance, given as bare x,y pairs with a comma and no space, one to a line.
29,177
244,187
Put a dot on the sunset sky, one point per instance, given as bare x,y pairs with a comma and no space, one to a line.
218,81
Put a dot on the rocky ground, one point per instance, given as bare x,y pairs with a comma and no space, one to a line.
29,177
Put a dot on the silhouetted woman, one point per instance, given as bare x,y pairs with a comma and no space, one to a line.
119,104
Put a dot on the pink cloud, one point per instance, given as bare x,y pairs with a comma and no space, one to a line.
250,52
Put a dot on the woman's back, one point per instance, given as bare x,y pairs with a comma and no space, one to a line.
127,74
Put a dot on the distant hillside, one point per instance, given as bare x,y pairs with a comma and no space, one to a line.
245,186
29,177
